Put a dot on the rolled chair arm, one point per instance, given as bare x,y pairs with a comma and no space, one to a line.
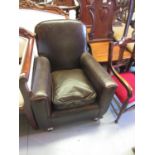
100,79
41,79
41,91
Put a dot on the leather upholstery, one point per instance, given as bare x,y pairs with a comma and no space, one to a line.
41,79
62,41
100,79
96,73
41,84
71,89
79,87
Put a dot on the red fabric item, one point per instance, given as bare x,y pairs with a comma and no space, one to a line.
121,92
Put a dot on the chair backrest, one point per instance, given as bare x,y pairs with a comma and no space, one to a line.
120,61
123,43
62,42
85,15
102,15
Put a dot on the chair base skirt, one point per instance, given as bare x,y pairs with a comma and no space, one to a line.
56,120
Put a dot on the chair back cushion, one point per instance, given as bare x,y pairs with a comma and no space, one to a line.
62,42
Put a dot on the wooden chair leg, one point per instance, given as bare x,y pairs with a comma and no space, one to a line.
121,111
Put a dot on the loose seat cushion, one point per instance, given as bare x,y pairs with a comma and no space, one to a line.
121,92
70,89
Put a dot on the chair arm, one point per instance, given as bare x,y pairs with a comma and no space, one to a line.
41,91
41,79
124,83
100,79
96,73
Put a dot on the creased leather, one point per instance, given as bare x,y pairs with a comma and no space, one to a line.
41,79
53,38
71,89
62,42
96,73
41,85
101,80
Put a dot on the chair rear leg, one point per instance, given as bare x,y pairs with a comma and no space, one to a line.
121,111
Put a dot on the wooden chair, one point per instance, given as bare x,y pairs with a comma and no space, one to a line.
100,32
118,33
125,30
125,91
26,47
122,11
125,80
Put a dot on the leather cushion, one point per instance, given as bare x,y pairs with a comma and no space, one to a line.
71,89
121,92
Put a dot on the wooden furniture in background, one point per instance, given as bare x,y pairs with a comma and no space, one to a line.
29,4
85,16
125,80
29,18
102,15
26,63
100,43
63,2
122,11
125,92
100,51
94,13
66,5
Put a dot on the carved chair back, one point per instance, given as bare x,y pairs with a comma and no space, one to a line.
102,16
85,16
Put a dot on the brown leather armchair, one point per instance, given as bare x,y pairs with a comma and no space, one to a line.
68,84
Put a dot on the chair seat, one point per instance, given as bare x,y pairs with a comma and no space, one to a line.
121,92
71,89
